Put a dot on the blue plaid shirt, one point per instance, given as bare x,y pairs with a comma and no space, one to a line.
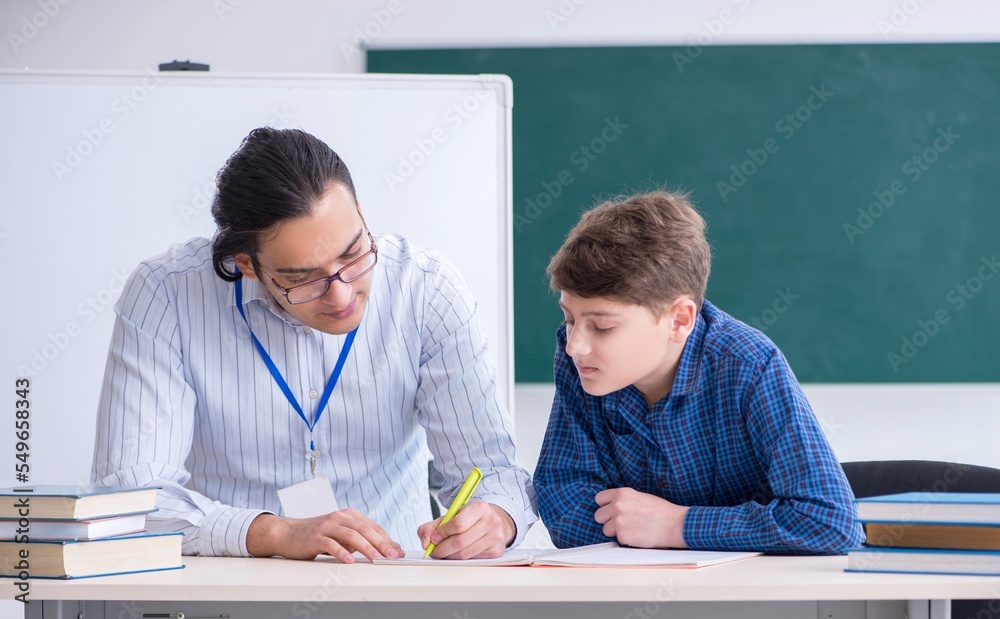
735,440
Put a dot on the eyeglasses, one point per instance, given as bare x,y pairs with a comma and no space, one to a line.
310,291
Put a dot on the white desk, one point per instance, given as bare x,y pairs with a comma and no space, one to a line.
802,586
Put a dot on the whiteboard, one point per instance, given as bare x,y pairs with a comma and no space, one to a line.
101,171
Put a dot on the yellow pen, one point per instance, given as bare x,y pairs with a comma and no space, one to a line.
468,487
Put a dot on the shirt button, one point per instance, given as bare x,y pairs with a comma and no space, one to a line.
307,330
661,483
312,393
227,554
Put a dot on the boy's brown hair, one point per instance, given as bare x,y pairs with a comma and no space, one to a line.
647,249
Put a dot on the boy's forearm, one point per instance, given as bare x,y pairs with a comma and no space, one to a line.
784,528
574,525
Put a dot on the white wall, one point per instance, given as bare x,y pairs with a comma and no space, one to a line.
322,36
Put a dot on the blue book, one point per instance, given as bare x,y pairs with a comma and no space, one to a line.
923,561
963,508
75,502
126,554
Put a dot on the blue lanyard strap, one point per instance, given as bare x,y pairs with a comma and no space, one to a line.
278,378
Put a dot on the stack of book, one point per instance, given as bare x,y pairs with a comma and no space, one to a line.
81,531
929,533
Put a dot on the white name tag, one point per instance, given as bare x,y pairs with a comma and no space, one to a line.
308,499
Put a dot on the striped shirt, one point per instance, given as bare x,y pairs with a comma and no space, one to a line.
188,404
735,439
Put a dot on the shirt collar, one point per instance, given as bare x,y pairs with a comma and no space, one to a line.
255,292
688,377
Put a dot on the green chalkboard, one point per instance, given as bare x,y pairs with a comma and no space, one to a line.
852,191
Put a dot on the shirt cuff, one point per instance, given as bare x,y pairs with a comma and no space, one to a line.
223,532
517,514
704,528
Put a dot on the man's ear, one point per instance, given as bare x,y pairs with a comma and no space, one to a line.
245,266
682,315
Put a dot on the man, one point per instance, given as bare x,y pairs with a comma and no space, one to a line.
296,348
675,425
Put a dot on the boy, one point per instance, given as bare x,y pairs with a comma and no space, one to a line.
675,425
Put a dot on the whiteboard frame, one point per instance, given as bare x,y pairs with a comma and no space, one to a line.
501,348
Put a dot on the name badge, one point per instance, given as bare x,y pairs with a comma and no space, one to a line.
308,499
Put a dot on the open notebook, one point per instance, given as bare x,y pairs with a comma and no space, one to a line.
608,554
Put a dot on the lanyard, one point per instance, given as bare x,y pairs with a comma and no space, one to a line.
278,378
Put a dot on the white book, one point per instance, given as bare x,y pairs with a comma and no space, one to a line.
39,529
608,554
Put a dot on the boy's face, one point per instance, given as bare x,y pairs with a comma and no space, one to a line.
615,344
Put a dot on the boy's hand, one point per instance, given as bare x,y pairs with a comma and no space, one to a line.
640,520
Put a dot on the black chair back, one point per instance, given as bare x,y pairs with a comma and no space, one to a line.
877,477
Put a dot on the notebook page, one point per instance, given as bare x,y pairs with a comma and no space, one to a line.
416,557
643,557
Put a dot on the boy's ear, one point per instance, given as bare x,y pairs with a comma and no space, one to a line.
682,315
245,266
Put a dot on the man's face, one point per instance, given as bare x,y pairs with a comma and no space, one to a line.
313,246
615,344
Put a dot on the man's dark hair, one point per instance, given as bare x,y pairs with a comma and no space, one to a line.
274,176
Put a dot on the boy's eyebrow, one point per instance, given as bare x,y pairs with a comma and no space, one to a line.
598,313
353,242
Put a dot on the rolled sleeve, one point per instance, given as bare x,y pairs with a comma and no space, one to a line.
223,532
522,520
